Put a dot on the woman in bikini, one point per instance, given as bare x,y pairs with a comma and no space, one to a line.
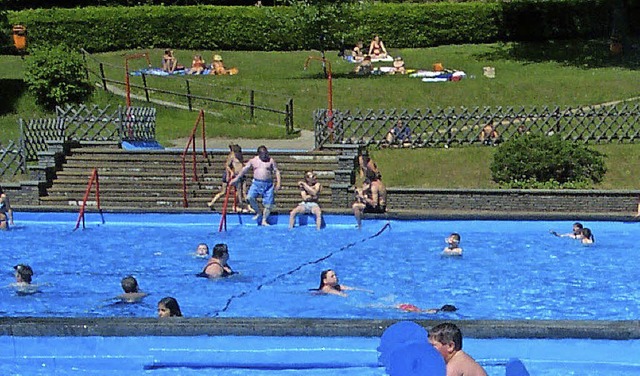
197,65
233,165
377,49
217,266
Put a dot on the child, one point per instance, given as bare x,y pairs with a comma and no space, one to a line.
356,54
202,251
365,67
453,249
398,66
168,307
197,65
131,291
23,285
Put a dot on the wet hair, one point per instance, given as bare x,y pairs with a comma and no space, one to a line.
172,305
578,225
370,175
129,284
455,236
205,245
445,333
448,308
323,275
219,250
586,233
25,272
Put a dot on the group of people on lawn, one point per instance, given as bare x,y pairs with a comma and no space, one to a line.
198,65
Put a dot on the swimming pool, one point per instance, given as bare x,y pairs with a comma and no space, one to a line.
307,356
510,269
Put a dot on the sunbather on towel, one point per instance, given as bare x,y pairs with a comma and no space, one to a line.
218,67
197,65
169,62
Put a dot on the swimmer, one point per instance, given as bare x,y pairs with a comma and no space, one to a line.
446,338
576,234
168,307
329,284
412,308
202,250
453,248
587,236
217,266
131,290
24,275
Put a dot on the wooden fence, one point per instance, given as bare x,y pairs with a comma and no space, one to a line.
12,160
462,126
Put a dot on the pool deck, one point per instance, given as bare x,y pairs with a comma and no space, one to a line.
122,327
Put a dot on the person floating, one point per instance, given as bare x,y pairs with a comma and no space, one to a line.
264,170
169,307
310,191
329,285
446,338
412,308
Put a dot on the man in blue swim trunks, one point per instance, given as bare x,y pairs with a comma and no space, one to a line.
264,170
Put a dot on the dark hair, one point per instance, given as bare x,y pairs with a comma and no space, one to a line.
172,305
237,151
448,308
455,236
578,225
25,272
323,275
586,233
445,333
262,149
219,250
129,284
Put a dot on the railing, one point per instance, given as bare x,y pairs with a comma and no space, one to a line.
206,95
94,179
619,122
191,142
12,160
223,219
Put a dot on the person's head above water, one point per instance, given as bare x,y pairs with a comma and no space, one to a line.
24,273
220,250
328,278
129,284
202,250
168,307
577,228
453,239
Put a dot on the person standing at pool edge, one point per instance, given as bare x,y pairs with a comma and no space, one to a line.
264,170
6,212
446,338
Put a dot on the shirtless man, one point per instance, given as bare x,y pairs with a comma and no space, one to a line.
309,190
264,169
132,293
446,338
575,234
217,266
372,198
453,247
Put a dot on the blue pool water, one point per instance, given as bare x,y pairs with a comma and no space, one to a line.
305,356
510,269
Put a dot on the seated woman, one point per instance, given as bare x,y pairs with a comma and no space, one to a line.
398,66
488,135
365,67
218,67
169,62
377,49
356,54
197,65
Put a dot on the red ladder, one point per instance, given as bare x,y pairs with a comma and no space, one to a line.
93,179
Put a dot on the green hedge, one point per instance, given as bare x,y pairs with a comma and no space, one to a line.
287,28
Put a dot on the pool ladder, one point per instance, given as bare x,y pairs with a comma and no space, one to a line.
225,205
93,179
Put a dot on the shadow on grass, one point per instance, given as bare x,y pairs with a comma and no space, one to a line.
12,90
348,75
582,54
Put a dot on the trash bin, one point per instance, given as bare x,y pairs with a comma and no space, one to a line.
20,37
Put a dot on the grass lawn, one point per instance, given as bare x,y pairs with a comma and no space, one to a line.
549,74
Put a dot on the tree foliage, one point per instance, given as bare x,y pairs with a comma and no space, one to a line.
543,161
56,75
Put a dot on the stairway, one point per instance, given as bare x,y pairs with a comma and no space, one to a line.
152,180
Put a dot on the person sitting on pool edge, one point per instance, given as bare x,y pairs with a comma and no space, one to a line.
309,190
169,307
371,198
575,234
453,247
217,266
412,308
131,290
329,284
446,338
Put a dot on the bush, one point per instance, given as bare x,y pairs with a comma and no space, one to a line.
56,75
541,161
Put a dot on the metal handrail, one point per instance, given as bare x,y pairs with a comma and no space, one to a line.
93,179
192,143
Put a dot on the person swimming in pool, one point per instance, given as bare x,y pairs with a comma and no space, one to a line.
217,266
587,236
329,285
132,293
169,307
575,234
202,251
453,247
24,276
412,308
